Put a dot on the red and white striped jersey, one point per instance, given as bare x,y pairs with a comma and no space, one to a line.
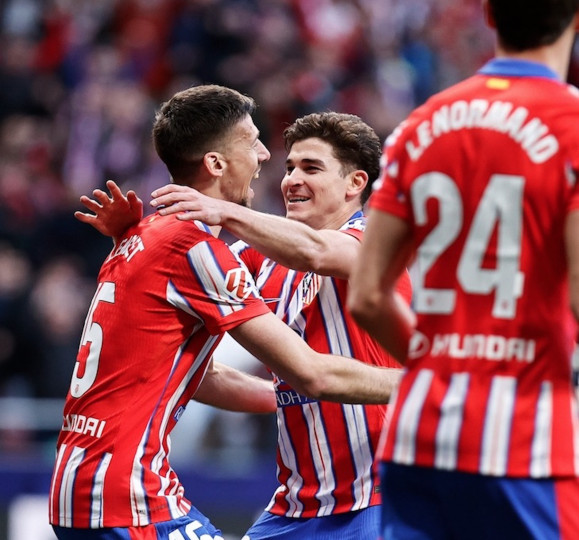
485,174
325,450
165,296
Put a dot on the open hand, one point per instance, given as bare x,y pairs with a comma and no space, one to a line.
113,215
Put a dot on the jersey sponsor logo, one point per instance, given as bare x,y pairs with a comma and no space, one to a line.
238,283
286,398
129,247
84,425
500,116
419,345
286,395
473,346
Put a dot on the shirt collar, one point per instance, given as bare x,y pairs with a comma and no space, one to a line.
509,67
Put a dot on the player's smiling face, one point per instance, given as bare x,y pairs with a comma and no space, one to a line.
314,186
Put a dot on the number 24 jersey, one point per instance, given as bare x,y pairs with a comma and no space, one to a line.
485,175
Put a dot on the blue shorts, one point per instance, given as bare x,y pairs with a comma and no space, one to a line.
420,503
193,526
358,525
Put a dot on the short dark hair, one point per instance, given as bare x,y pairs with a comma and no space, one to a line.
528,24
355,144
196,121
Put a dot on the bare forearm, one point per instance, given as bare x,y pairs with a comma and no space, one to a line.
227,388
319,376
351,385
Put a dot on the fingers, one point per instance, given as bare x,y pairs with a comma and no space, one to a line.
84,218
92,205
114,190
186,216
170,188
172,209
134,201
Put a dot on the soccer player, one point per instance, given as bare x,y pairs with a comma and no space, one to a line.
166,294
325,450
480,186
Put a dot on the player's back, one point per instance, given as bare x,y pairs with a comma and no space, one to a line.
143,352
487,170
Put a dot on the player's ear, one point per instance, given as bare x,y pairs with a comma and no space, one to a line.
356,183
214,163
488,13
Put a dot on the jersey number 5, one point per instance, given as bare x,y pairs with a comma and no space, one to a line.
500,207
92,333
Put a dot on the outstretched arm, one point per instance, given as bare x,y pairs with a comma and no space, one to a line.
228,388
288,242
113,215
372,299
319,376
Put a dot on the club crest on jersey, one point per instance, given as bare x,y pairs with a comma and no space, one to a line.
238,283
310,286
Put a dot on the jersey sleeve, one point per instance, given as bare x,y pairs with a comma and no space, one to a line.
252,258
213,284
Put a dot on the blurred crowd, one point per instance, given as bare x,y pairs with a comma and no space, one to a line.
80,81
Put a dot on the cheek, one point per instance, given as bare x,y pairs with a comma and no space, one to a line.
283,186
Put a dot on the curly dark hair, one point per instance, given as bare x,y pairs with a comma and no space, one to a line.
355,144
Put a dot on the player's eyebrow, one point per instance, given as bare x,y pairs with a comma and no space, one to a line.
307,161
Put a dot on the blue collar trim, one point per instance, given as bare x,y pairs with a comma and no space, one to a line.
508,67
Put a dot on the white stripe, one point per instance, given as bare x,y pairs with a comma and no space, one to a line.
294,307
96,505
288,457
67,487
138,493
361,452
497,426
265,271
448,431
211,276
542,438
61,451
405,445
175,298
333,317
321,458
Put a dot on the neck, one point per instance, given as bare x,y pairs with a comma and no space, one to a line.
335,221
556,56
